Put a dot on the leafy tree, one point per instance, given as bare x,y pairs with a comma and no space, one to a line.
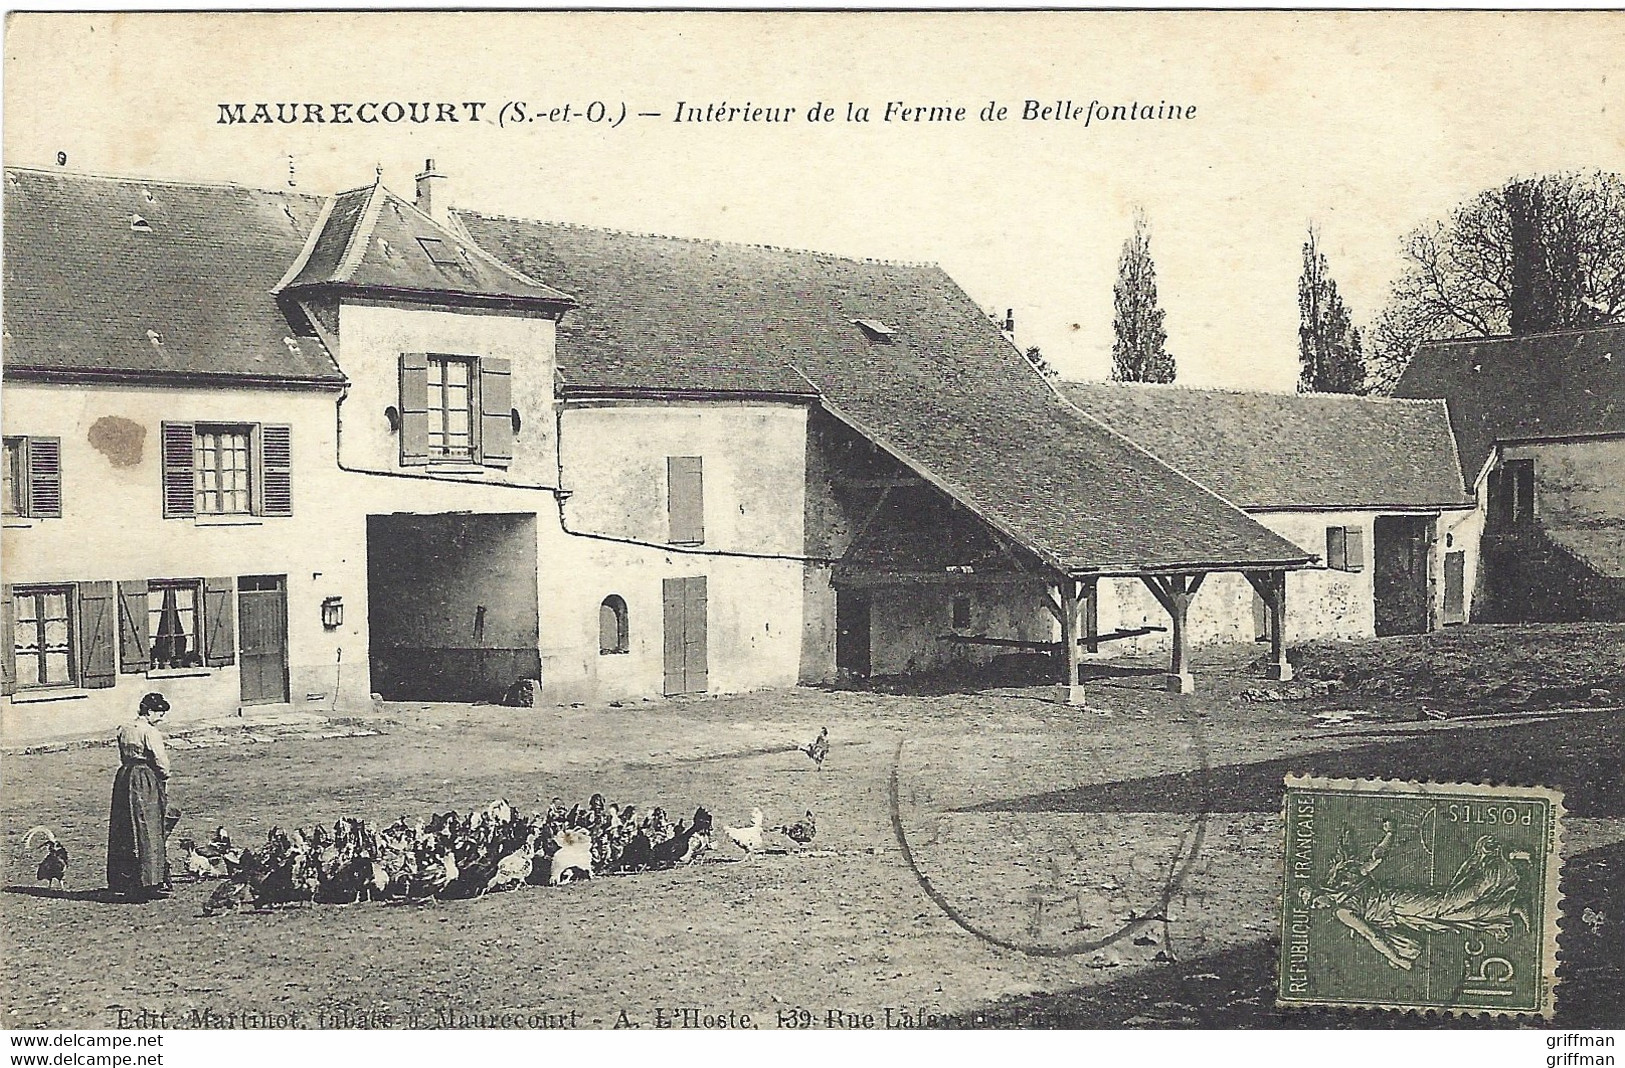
1036,357
1543,253
1328,342
1139,354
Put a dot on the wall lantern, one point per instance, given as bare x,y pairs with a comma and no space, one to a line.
332,612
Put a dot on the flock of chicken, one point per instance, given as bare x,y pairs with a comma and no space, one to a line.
454,855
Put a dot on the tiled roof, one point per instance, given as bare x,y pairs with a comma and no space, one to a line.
947,393
122,276
371,239
1559,384
1289,450
1601,547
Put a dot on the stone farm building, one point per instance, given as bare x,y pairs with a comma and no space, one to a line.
266,449
1540,424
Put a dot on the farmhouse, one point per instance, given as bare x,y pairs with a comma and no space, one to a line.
1367,486
270,450
1540,422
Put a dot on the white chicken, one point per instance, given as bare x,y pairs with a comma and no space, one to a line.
748,838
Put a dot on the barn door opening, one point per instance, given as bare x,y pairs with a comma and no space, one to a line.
1399,574
853,613
262,625
685,635
1455,588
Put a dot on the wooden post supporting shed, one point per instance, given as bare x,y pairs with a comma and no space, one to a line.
1174,593
1271,587
1065,603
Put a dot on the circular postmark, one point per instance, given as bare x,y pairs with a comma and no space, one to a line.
1065,873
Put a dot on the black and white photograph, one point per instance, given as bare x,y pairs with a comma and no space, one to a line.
813,521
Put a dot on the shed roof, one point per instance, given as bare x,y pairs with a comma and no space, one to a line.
1289,450
944,391
1561,384
119,276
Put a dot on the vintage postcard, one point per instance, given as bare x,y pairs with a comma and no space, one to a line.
1420,895
812,520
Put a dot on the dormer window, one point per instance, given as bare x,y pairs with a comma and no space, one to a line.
440,253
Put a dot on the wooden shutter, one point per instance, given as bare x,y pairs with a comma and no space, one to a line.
45,478
685,499
695,668
98,633
135,648
1336,549
414,408
218,647
672,600
180,471
8,653
276,470
496,412
1354,542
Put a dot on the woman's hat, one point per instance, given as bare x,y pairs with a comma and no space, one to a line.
154,702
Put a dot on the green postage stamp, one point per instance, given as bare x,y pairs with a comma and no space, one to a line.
1408,895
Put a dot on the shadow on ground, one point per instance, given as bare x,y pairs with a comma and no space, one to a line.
1236,988
1578,754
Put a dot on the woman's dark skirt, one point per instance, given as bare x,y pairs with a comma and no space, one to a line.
137,855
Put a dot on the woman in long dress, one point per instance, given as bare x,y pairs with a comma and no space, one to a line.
137,833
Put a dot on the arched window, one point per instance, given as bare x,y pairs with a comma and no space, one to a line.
612,637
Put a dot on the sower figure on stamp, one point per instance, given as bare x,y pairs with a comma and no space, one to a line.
138,829
1482,897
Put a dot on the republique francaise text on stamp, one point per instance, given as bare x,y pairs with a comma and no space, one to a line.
1414,895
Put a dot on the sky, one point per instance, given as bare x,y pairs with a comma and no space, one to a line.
1367,125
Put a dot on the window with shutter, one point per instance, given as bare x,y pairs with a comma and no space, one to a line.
276,470
414,408
132,626
98,633
685,499
16,477
8,655
45,478
173,624
219,642
1354,551
496,411
42,636
1336,557
180,471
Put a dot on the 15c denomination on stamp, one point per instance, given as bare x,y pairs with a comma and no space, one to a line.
1408,895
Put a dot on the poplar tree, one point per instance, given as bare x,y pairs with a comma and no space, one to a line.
1329,357
1139,353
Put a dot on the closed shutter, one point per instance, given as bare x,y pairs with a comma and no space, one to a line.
685,499
218,644
414,408
180,471
1354,553
672,596
45,478
8,654
695,619
1336,549
135,648
98,631
276,470
496,412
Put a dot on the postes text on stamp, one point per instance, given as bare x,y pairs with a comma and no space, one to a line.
1419,896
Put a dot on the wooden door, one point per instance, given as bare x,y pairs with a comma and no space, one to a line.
686,653
853,613
1455,588
262,626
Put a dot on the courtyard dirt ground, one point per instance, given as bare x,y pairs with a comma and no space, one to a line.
1115,865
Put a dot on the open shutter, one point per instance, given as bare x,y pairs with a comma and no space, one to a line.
414,408
672,633
98,615
695,619
218,644
45,478
496,411
685,499
1336,549
180,472
135,648
276,470
8,653
1354,551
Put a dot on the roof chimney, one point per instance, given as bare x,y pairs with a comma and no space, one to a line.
431,194
1009,320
